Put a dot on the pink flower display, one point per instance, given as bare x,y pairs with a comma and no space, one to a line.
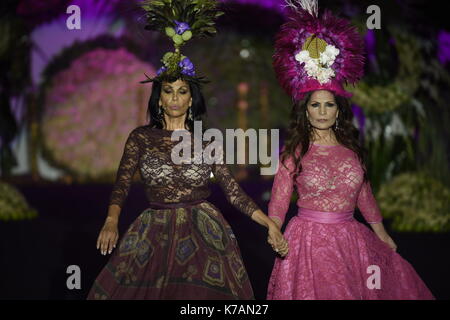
90,109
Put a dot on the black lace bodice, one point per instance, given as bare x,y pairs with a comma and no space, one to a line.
149,149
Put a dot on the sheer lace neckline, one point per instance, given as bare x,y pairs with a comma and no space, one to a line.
149,151
324,145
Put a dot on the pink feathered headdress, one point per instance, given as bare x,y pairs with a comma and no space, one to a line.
313,53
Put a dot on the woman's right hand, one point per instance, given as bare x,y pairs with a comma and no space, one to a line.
108,236
277,240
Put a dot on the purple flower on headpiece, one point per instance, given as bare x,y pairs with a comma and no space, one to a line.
181,27
161,70
187,67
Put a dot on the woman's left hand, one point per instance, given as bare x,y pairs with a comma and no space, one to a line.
388,240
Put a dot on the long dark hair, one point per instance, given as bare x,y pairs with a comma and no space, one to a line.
300,132
198,106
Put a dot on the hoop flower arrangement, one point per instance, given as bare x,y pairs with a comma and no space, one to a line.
89,110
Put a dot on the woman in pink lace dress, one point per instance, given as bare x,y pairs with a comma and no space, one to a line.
331,255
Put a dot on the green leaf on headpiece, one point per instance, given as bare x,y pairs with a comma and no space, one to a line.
197,13
161,15
314,46
177,39
187,35
170,31
167,56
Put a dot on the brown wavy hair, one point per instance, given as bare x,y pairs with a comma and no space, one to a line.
300,132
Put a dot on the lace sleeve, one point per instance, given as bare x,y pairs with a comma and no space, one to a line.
127,168
234,193
368,205
282,188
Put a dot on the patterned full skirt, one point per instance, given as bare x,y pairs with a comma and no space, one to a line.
187,252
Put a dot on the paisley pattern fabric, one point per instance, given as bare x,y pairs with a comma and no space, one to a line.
187,252
177,253
331,256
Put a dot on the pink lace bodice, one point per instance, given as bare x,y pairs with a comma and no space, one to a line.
331,180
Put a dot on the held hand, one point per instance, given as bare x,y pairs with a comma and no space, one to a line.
388,240
277,241
277,222
108,237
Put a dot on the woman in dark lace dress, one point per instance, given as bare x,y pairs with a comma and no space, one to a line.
181,247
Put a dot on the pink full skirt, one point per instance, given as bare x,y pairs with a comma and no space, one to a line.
344,260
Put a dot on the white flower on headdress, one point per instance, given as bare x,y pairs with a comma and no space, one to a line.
319,68
329,55
311,67
302,56
324,75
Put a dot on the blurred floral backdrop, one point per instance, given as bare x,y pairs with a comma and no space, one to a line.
87,97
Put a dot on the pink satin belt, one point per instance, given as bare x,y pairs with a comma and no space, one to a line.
324,217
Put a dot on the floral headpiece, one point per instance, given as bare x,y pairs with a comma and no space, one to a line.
180,20
313,53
